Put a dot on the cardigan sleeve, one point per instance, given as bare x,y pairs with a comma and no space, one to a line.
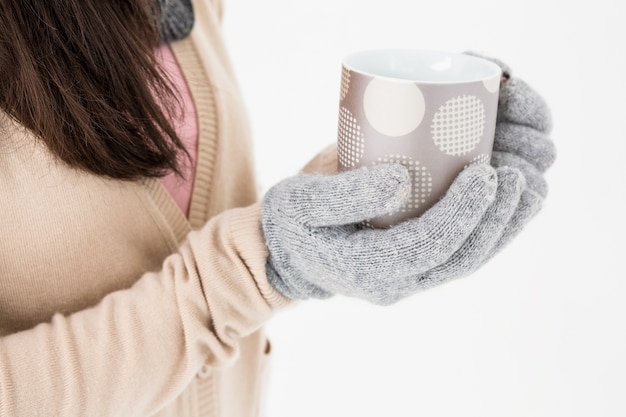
138,348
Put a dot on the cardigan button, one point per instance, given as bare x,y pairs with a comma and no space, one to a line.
204,372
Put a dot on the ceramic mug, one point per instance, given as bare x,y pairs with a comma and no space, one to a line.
431,111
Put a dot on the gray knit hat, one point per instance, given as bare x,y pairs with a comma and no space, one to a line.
177,19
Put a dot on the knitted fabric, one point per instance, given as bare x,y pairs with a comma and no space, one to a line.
317,249
177,19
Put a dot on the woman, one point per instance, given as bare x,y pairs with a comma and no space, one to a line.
137,268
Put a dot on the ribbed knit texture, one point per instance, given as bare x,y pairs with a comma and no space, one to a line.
177,19
317,248
112,302
186,127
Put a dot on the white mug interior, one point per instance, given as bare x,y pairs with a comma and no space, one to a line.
422,66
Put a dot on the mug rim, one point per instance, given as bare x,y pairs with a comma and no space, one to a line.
411,60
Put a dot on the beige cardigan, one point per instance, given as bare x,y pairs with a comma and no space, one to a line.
110,305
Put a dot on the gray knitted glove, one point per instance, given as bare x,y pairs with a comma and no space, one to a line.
522,141
317,248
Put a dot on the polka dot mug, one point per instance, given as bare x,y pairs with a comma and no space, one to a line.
433,112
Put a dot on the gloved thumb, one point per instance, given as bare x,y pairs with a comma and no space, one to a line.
343,198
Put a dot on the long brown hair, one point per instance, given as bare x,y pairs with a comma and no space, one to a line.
82,76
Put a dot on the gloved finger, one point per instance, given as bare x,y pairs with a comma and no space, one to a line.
524,141
511,184
419,244
521,104
344,198
529,206
534,178
393,257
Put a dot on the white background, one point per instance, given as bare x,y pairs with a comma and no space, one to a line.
540,330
